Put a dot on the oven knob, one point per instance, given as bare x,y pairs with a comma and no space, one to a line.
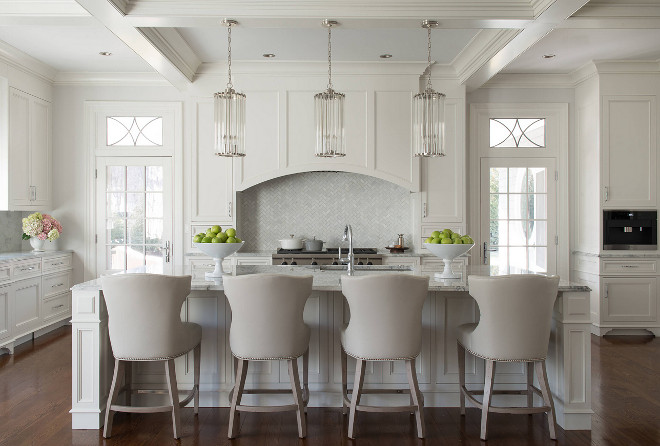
284,263
293,262
360,263
335,263
314,263
369,263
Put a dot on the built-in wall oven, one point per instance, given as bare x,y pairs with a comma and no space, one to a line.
630,229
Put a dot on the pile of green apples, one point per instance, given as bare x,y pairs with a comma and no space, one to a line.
214,234
448,237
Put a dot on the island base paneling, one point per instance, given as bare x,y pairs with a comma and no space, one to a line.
326,312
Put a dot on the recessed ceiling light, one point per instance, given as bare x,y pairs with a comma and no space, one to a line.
268,55
548,56
105,53
385,56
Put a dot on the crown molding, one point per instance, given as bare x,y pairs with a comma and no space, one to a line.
170,43
121,5
627,66
320,68
28,64
143,79
538,6
530,80
584,73
480,50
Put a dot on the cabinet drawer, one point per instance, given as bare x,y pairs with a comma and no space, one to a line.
60,304
5,273
56,263
198,267
254,261
629,267
27,268
56,283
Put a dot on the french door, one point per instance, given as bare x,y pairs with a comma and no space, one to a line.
134,213
518,214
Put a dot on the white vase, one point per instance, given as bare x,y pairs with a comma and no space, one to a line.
37,245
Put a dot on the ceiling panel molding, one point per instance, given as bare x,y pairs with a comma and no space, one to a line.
627,66
539,6
615,16
51,8
113,19
49,21
481,49
111,79
121,5
175,48
524,80
26,63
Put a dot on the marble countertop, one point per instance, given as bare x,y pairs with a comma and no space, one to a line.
329,280
623,254
7,256
268,253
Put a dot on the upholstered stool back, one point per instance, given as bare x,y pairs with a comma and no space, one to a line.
386,316
144,316
267,315
516,315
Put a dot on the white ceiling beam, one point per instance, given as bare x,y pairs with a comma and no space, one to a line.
559,11
113,19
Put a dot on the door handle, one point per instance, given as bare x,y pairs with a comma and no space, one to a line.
487,249
605,291
166,248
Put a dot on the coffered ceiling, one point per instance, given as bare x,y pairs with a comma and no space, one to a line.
179,39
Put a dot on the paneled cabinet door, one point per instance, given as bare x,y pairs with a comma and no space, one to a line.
629,299
5,311
27,304
629,151
443,182
211,176
30,151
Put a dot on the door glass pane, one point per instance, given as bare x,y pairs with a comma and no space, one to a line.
135,178
517,232
538,259
537,180
135,231
115,258
135,205
116,231
538,206
517,259
517,206
499,233
498,180
116,205
154,205
155,178
116,178
517,180
498,206
498,260
154,231
134,256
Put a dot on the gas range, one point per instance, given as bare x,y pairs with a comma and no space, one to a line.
329,256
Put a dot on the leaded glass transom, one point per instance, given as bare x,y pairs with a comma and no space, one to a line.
517,133
134,131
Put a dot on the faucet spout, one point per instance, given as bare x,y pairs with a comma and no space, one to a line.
348,236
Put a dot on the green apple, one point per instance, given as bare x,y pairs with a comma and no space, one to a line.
458,241
467,240
223,237
449,232
216,228
231,240
435,241
455,235
207,239
201,235
198,238
435,234
238,240
209,233
231,232
429,240
447,241
216,240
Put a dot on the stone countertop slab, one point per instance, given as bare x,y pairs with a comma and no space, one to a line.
624,254
8,256
329,280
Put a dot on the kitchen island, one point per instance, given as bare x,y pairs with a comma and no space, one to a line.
447,306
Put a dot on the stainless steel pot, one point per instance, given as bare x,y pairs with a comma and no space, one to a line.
291,243
313,244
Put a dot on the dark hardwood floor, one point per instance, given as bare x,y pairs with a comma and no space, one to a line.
35,398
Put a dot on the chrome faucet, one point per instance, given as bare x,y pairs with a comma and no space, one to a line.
348,235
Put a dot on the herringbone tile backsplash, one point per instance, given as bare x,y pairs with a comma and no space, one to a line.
320,204
10,231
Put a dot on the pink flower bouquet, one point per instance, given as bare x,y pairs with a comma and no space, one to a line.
41,226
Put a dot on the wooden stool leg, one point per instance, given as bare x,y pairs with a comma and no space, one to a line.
128,379
305,387
174,397
530,384
542,377
488,389
344,381
197,354
297,397
114,391
357,393
241,372
461,376
416,397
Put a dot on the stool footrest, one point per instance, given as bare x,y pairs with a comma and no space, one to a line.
469,394
282,408
365,408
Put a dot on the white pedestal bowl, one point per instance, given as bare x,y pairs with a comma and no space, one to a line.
447,253
218,251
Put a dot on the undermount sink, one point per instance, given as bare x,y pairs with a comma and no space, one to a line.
367,268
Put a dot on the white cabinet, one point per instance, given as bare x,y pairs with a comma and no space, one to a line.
29,168
211,176
629,299
27,304
629,145
443,180
6,301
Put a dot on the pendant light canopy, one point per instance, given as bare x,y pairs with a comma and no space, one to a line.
329,112
229,112
429,113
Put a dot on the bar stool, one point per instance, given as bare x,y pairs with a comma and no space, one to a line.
385,325
144,324
267,324
515,322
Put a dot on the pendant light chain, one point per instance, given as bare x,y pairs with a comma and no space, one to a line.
229,84
330,57
428,81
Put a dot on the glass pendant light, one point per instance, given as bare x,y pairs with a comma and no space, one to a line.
229,113
429,113
329,112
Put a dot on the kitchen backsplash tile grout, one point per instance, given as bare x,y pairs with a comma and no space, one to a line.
320,204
